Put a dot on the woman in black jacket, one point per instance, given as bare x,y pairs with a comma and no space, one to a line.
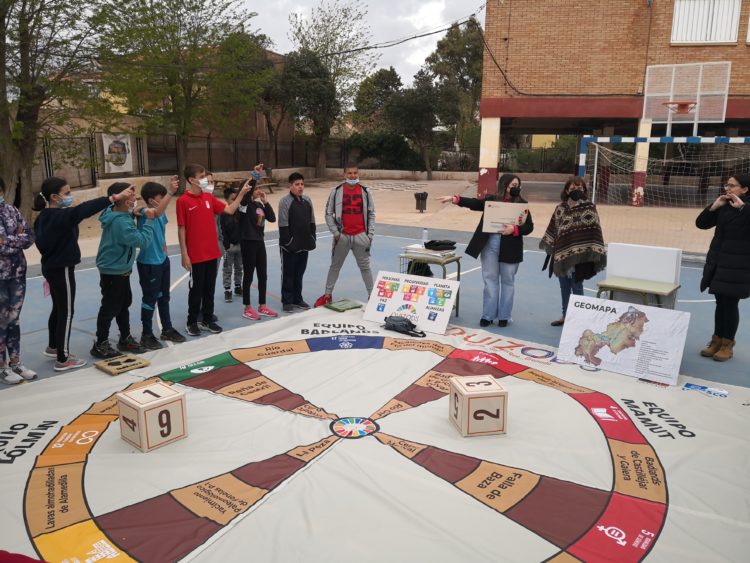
500,253
727,270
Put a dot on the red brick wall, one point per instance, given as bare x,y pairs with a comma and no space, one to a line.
593,47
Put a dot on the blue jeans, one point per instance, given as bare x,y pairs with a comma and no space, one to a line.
569,285
155,282
499,282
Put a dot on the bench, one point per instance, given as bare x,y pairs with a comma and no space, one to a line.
644,272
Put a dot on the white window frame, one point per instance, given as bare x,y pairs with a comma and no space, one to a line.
701,22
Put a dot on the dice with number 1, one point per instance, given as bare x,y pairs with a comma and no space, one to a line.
478,405
152,416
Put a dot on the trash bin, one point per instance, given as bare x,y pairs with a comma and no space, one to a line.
421,198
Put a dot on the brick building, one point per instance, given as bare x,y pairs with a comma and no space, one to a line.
579,66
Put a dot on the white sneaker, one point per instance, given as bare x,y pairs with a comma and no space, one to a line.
23,371
9,377
50,352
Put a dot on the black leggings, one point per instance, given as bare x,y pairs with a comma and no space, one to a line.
62,287
727,316
254,258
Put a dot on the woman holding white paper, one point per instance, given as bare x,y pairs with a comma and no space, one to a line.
501,253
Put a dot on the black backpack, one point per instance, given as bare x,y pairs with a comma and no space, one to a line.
403,325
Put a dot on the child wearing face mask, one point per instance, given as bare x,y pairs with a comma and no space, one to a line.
154,266
254,212
56,230
197,209
115,258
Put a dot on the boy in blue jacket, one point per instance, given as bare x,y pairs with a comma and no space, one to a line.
120,238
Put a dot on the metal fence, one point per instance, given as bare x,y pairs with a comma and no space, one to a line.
79,159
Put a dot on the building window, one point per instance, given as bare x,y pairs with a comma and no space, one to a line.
706,21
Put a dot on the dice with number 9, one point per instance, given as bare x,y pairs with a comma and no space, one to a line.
152,416
478,405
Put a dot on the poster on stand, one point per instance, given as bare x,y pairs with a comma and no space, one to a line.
427,302
117,153
627,338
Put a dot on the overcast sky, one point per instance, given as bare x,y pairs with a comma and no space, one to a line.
389,19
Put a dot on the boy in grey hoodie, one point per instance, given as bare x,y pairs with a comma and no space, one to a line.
120,238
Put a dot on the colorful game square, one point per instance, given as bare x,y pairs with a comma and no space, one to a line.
431,292
432,316
433,301
381,307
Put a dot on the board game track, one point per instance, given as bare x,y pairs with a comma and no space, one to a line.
584,522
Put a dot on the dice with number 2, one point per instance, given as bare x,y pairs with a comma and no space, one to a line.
478,405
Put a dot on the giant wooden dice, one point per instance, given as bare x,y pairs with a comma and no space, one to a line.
478,405
152,416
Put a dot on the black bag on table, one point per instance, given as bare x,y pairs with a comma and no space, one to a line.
402,325
440,245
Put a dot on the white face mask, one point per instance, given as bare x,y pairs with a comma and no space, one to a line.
353,182
205,186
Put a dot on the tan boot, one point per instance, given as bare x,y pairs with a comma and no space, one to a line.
712,347
725,352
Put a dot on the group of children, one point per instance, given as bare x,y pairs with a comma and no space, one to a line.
208,229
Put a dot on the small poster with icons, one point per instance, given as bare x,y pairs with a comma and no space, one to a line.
427,302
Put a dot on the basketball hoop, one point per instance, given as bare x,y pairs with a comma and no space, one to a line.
680,107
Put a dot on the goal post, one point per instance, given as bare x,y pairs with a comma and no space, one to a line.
652,195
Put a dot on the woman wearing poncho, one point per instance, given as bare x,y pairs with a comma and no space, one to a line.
573,242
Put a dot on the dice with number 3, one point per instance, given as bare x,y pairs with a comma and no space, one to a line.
152,416
478,405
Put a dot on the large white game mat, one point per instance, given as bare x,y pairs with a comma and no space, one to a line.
320,436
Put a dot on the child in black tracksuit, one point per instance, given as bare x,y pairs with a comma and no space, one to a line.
254,212
56,231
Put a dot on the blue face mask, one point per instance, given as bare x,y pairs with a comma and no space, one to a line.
2,200
353,182
66,201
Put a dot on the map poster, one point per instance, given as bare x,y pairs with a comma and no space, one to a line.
635,340
498,214
427,302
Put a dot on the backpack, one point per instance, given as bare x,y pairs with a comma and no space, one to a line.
402,325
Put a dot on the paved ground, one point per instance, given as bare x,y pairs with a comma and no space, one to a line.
537,297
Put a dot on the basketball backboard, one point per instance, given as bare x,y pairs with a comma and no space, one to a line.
705,84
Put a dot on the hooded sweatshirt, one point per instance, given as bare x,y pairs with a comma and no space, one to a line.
120,238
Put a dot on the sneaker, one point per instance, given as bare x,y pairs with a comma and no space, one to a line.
104,350
172,334
8,377
238,290
265,311
210,327
288,308
302,305
502,323
484,322
71,363
324,299
50,352
23,371
227,296
130,345
251,314
193,330
150,342
214,318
